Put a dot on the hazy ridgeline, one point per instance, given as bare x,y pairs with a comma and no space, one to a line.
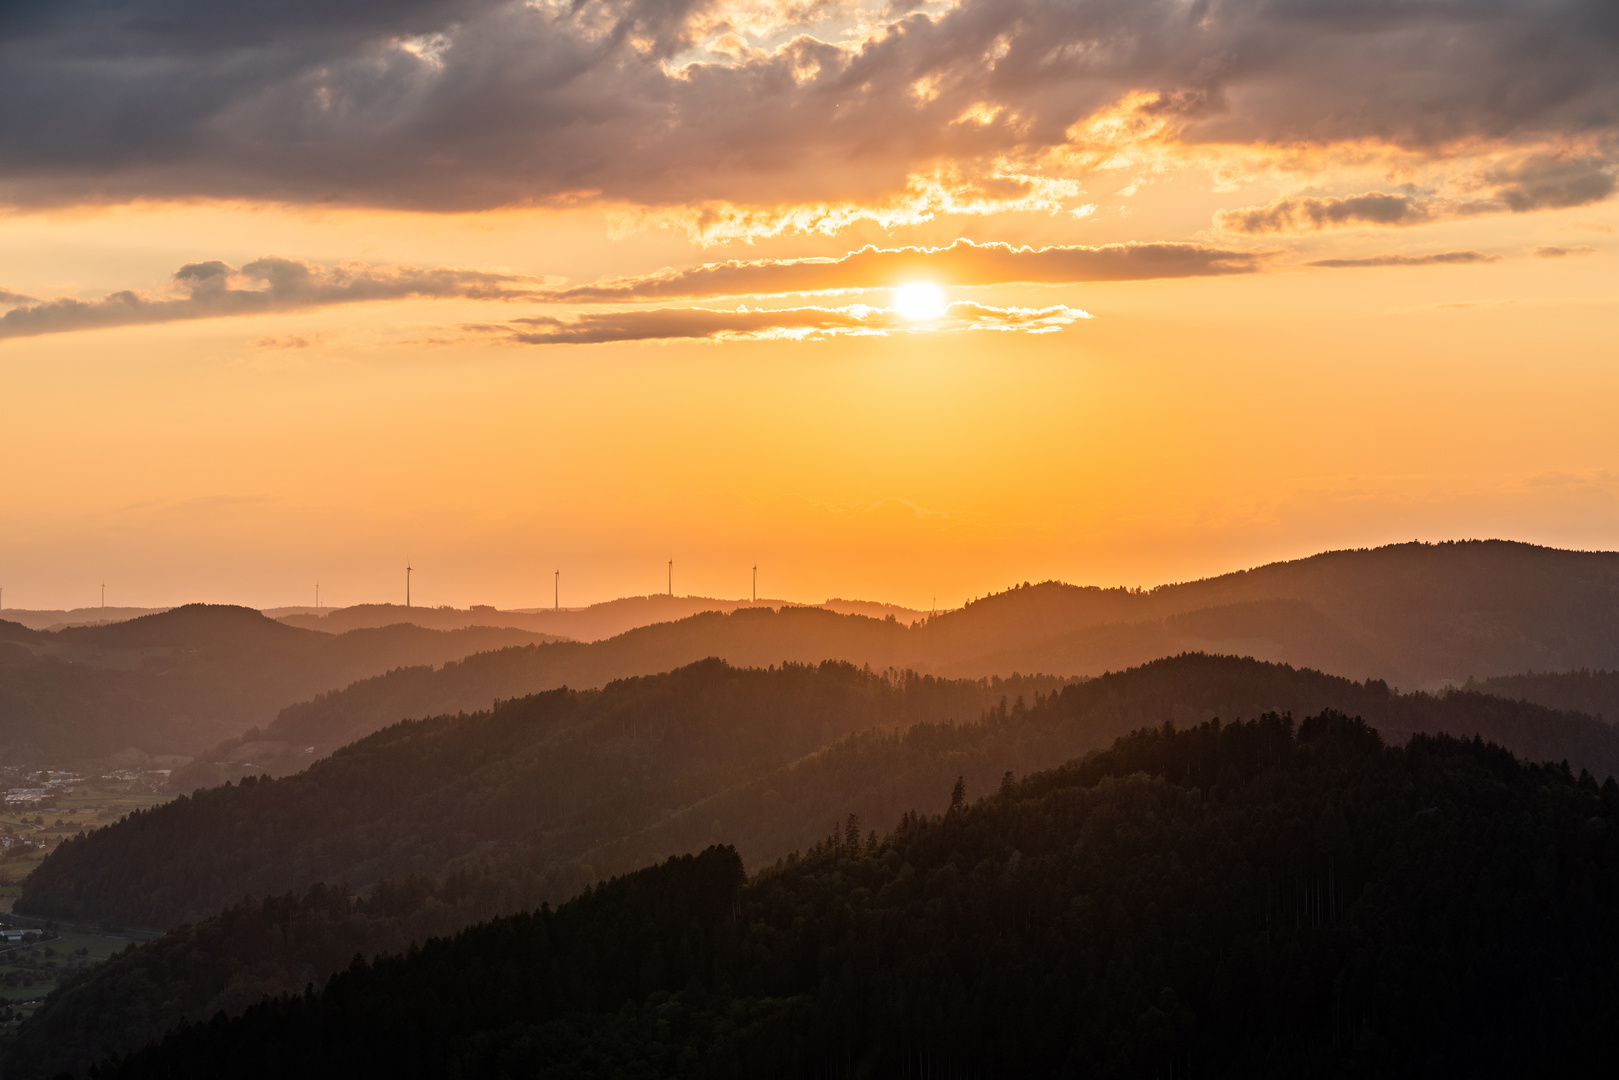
1414,615
175,682
444,822
244,694
1595,693
1235,900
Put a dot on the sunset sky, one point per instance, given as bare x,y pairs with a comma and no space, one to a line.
896,301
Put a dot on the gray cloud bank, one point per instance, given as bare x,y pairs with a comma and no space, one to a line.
454,104
282,285
962,263
666,324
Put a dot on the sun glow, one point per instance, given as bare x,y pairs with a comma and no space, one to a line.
920,300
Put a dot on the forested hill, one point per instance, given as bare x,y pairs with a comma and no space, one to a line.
176,682
1231,900
755,637
878,775
1415,615
566,786
562,772
1595,693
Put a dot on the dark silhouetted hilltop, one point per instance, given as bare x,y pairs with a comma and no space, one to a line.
448,821
1242,899
565,785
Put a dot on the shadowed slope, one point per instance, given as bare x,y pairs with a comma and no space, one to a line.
1259,900
174,682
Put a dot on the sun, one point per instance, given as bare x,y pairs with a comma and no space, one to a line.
920,300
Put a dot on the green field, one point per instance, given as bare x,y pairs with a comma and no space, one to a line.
29,972
91,805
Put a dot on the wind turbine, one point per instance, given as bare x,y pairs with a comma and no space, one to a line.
317,596
407,581
556,595
671,577
756,583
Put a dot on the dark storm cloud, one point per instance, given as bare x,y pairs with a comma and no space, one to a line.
281,285
441,104
962,263
668,324
1440,259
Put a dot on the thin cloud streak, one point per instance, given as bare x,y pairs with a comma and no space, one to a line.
803,323
285,285
1443,258
962,263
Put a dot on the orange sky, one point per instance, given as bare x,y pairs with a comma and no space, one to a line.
405,380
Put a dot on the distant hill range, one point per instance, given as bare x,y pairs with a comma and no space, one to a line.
167,685
604,620
1417,616
57,618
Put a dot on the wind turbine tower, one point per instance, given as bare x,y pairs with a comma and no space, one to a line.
407,583
756,583
556,595
671,577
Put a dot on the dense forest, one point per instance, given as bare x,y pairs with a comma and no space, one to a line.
560,773
572,785
1594,693
473,865
1241,899
176,682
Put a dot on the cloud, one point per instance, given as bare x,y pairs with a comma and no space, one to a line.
208,291
1536,181
1549,252
459,104
290,341
1294,214
961,263
12,299
1443,258
1552,181
663,324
